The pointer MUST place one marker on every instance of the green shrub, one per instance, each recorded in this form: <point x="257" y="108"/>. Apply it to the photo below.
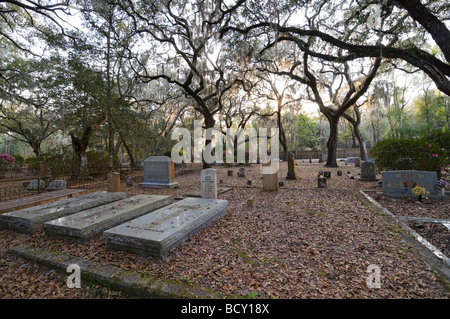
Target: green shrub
<point x="98" y="161"/>
<point x="425" y="154"/>
<point x="51" y="163"/>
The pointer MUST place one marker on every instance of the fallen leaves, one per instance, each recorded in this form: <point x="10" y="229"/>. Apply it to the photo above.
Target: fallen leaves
<point x="300" y="242"/>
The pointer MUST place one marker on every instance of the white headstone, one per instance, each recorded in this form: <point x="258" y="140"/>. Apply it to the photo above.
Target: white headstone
<point x="209" y="183"/>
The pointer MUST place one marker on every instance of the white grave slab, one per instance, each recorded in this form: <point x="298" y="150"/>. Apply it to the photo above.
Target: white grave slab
<point x="83" y="226"/>
<point x="156" y="233"/>
<point x="30" y="219"/>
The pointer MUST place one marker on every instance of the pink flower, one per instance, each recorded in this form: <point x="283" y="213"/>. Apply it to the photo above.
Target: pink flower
<point x="429" y="145"/>
<point x="443" y="149"/>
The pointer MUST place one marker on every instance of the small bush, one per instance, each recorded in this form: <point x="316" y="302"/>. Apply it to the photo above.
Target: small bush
<point x="425" y="154"/>
<point x="98" y="161"/>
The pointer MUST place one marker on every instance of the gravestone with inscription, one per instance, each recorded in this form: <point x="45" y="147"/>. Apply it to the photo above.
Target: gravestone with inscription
<point x="209" y="183"/>
<point x="400" y="183"/>
<point x="156" y="233"/>
<point x="368" y="171"/>
<point x="84" y="225"/>
<point x="159" y="172"/>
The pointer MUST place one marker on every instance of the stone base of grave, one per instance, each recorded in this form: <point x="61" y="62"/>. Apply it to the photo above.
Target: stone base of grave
<point x="368" y="179"/>
<point x="159" y="185"/>
<point x="29" y="220"/>
<point x="155" y="234"/>
<point x="399" y="195"/>
<point x="83" y="226"/>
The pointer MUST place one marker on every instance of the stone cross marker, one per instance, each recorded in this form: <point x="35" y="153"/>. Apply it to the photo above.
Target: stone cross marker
<point x="291" y="167"/>
<point x="209" y="183"/>
<point x="159" y="172"/>
<point x="368" y="171"/>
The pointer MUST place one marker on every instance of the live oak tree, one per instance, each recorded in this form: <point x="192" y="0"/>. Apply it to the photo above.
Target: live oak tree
<point x="187" y="53"/>
<point x="29" y="100"/>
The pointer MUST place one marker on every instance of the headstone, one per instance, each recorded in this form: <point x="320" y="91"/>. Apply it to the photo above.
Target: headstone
<point x="401" y="182"/>
<point x="209" y="183"/>
<point x="327" y="174"/>
<point x="30" y="219"/>
<point x="280" y="184"/>
<point x="155" y="234"/>
<point x="83" y="226"/>
<point x="159" y="172"/>
<point x="113" y="182"/>
<point x="33" y="186"/>
<point x="129" y="181"/>
<point x="250" y="202"/>
<point x="351" y="159"/>
<point x="368" y="171"/>
<point x="57" y="184"/>
<point x="339" y="173"/>
<point x="357" y="162"/>
<point x="241" y="172"/>
<point x="84" y="168"/>
<point x="321" y="182"/>
<point x="270" y="175"/>
<point x="230" y="173"/>
<point x="291" y="175"/>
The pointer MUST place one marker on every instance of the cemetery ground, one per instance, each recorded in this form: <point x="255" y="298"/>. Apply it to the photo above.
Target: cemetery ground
<point x="298" y="242"/>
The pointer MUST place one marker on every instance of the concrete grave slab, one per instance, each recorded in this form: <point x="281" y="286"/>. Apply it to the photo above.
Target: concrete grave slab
<point x="43" y="198"/>
<point x="81" y="227"/>
<point x="30" y="219"/>
<point x="155" y="234"/>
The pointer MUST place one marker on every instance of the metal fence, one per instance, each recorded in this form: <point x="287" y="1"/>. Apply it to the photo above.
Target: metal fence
<point x="14" y="186"/>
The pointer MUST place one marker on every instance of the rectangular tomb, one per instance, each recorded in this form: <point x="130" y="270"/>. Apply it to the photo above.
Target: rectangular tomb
<point x="83" y="226"/>
<point x="155" y="234"/>
<point x="31" y="219"/>
<point x="34" y="200"/>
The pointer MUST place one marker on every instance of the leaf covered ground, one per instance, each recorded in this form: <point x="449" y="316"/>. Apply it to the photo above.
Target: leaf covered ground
<point x="299" y="242"/>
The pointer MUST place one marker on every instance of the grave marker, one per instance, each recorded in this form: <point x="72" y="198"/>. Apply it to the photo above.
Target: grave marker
<point x="113" y="182"/>
<point x="321" y="182"/>
<point x="159" y="172"/>
<point x="368" y="171"/>
<point x="291" y="175"/>
<point x="31" y="219"/>
<point x="82" y="226"/>
<point x="401" y="182"/>
<point x="209" y="183"/>
<point x="270" y="176"/>
<point x="155" y="234"/>
<point x="57" y="185"/>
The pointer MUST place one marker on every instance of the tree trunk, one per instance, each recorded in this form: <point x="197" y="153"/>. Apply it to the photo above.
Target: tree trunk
<point x="209" y="123"/>
<point x="362" y="143"/>
<point x="332" y="142"/>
